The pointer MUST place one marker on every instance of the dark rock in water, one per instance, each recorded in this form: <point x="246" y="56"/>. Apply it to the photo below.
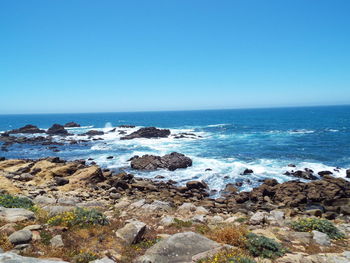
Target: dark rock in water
<point x="72" y="124"/>
<point x="61" y="181"/>
<point x="323" y="173"/>
<point x="308" y="175"/>
<point x="122" y="132"/>
<point x="291" y="165"/>
<point x="248" y="171"/>
<point x="149" y="132"/>
<point x="196" y="185"/>
<point x="94" y="133"/>
<point x="57" y="129"/>
<point x="2" y="159"/>
<point x="27" y="129"/>
<point x="171" y="162"/>
<point x="113" y="130"/>
<point x="229" y="190"/>
<point x="159" y="177"/>
<point x="208" y="169"/>
<point x="239" y="184"/>
<point x="90" y="159"/>
<point x="110" y="157"/>
<point x="348" y="173"/>
<point x="126" y="126"/>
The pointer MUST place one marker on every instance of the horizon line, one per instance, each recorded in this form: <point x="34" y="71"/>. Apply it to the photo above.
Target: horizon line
<point x="205" y="109"/>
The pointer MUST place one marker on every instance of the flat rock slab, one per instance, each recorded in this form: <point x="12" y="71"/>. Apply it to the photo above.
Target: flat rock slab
<point x="15" y="214"/>
<point x="181" y="247"/>
<point x="14" y="258"/>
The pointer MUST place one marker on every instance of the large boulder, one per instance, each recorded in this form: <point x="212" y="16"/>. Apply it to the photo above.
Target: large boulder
<point x="181" y="247"/>
<point x="27" y="129"/>
<point x="15" y="214"/>
<point x="21" y="237"/>
<point x="171" y="162"/>
<point x="132" y="232"/>
<point x="71" y="125"/>
<point x="148" y="132"/>
<point x="57" y="129"/>
<point x="348" y="173"/>
<point x="307" y="174"/>
<point x="9" y="257"/>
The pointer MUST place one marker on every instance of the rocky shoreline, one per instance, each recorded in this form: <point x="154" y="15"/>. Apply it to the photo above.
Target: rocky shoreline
<point x="175" y="214"/>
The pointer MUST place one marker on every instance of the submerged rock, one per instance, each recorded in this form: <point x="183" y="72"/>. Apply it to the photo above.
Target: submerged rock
<point x="94" y="133"/>
<point x="171" y="162"/>
<point x="148" y="132"/>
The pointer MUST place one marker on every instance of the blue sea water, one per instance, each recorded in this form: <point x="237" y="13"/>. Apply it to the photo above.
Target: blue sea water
<point x="265" y="140"/>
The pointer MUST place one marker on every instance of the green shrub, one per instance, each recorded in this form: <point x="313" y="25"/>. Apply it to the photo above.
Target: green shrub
<point x="45" y="236"/>
<point x="79" y="217"/>
<point x="10" y="201"/>
<point x="84" y="257"/>
<point x="322" y="225"/>
<point x="260" y="246"/>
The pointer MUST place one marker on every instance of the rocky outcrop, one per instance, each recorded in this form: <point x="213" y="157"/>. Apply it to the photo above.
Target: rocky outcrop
<point x="27" y="129"/>
<point x="295" y="193"/>
<point x="57" y="129"/>
<point x="126" y="126"/>
<point x="181" y="247"/>
<point x="71" y="125"/>
<point x="148" y="132"/>
<point x="348" y="173"/>
<point x="171" y="162"/>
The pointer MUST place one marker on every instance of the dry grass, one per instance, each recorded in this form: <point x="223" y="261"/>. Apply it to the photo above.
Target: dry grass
<point x="231" y="235"/>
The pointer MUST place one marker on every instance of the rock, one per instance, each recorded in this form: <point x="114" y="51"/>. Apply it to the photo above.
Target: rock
<point x="57" y="241"/>
<point x="148" y="132"/>
<point x="230" y="189"/>
<point x="198" y="219"/>
<point x="44" y="200"/>
<point x="127" y="126"/>
<point x="258" y="218"/>
<point x="348" y="173"/>
<point x="61" y="181"/>
<point x="216" y="220"/>
<point x="157" y="206"/>
<point x="32" y="227"/>
<point x="196" y="185"/>
<point x="167" y="221"/>
<point x="15" y="214"/>
<point x="276" y="217"/>
<point x="8" y="229"/>
<point x="171" y="162"/>
<point x="21" y="237"/>
<point x="103" y="260"/>
<point x="321" y="238"/>
<point x="323" y="173"/>
<point x="71" y="125"/>
<point x="200" y="210"/>
<point x="181" y="247"/>
<point x="57" y="129"/>
<point x="9" y="257"/>
<point x="248" y="171"/>
<point x="94" y="133"/>
<point x="27" y="129"/>
<point x="308" y="175"/>
<point x="186" y="208"/>
<point x="132" y="232"/>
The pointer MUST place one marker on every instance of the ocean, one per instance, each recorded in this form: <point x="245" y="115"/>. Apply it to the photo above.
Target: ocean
<point x="227" y="142"/>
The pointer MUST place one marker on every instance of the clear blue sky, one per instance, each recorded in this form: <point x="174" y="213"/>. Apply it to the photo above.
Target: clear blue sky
<point x="109" y="55"/>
